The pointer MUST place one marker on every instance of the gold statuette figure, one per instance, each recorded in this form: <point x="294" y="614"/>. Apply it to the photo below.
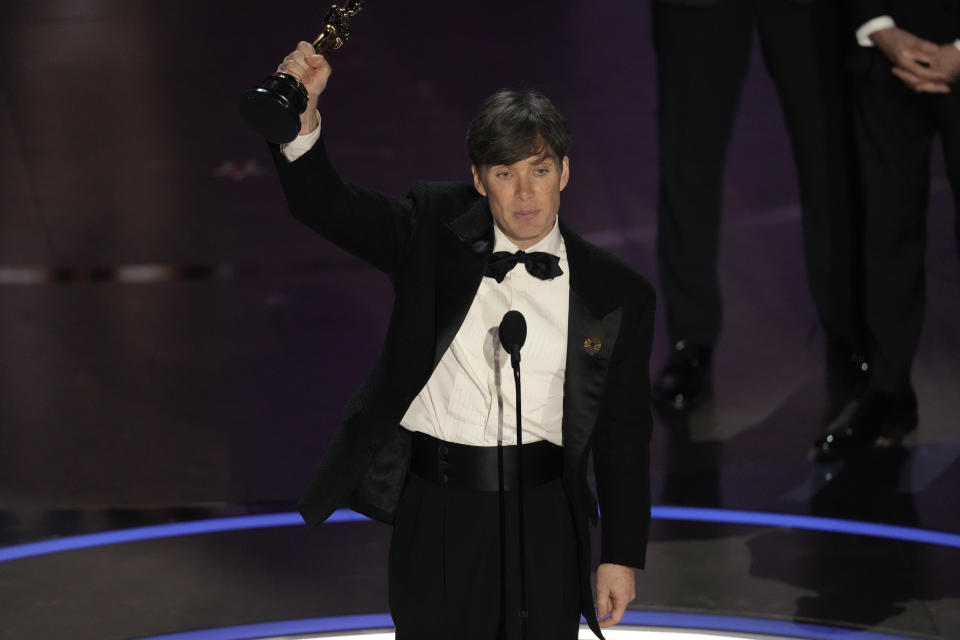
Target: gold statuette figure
<point x="273" y="109"/>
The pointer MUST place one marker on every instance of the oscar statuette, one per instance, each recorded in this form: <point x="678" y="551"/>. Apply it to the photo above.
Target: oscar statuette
<point x="273" y="109"/>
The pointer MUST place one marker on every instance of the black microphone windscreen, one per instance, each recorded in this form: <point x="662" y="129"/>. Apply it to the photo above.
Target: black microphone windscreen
<point x="513" y="331"/>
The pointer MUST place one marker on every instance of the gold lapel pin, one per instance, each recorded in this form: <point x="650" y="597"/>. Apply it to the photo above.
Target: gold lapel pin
<point x="592" y="345"/>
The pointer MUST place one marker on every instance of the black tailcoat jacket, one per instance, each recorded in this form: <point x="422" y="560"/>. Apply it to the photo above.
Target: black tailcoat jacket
<point x="433" y="245"/>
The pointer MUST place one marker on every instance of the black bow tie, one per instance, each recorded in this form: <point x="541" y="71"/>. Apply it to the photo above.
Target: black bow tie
<point x="541" y="265"/>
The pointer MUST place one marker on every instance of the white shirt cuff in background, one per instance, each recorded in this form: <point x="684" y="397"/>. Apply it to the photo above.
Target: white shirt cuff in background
<point x="301" y="144"/>
<point x="871" y="27"/>
<point x="956" y="43"/>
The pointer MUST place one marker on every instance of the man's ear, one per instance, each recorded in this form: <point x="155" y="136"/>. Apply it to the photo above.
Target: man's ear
<point x="564" y="172"/>
<point x="477" y="182"/>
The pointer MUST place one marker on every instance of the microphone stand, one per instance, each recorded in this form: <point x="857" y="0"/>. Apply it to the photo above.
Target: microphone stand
<point x="513" y="333"/>
<point x="515" y="361"/>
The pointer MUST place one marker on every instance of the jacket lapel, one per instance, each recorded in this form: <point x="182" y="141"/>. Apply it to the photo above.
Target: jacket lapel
<point x="463" y="247"/>
<point x="592" y="327"/>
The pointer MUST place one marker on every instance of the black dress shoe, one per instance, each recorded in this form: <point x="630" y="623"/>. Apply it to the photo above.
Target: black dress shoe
<point x="881" y="419"/>
<point x="685" y="379"/>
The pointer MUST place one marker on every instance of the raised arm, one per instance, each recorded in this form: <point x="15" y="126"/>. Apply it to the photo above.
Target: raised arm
<point x="367" y="224"/>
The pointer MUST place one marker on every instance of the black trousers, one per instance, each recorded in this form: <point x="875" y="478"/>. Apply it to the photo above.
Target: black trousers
<point x="452" y="577"/>
<point x="895" y="131"/>
<point x="702" y="59"/>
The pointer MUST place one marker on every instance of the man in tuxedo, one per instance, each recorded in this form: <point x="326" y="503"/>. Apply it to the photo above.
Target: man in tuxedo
<point x="906" y="79"/>
<point x="428" y="443"/>
<point x="702" y="53"/>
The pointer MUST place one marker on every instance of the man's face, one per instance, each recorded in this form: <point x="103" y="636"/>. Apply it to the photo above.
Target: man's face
<point x="524" y="196"/>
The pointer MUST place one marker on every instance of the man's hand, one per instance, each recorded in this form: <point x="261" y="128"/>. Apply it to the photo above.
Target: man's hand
<point x="312" y="71"/>
<point x="615" y="590"/>
<point x="912" y="59"/>
<point x="947" y="61"/>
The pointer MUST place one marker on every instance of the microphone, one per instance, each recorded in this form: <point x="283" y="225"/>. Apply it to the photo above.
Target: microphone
<point x="513" y="333"/>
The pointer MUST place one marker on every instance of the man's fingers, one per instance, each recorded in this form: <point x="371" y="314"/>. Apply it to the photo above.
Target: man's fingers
<point x="619" y="608"/>
<point x="316" y="61"/>
<point x="306" y="49"/>
<point x="292" y="68"/>
<point x="927" y="47"/>
<point x="933" y="87"/>
<point x="919" y="65"/>
<point x="616" y="608"/>
<point x="606" y="620"/>
<point x="919" y="84"/>
<point x="603" y="604"/>
<point x="917" y="57"/>
<point x="947" y="61"/>
<point x="309" y="68"/>
<point x="603" y="600"/>
<point x="905" y="75"/>
<point x="293" y="64"/>
<point x="908" y="78"/>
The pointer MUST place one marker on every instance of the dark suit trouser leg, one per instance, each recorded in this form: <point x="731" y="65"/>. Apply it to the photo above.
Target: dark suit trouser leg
<point x="947" y="113"/>
<point x="801" y="45"/>
<point x="446" y="572"/>
<point x="895" y="128"/>
<point x="702" y="57"/>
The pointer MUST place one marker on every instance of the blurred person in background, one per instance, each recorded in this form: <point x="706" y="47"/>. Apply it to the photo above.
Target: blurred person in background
<point x="703" y="53"/>
<point x="905" y="72"/>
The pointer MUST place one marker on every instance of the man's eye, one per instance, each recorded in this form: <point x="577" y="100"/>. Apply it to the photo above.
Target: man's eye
<point x="542" y="172"/>
<point x="503" y="174"/>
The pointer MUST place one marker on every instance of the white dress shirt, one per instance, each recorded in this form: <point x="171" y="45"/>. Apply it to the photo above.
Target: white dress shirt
<point x="301" y="144"/>
<point x="471" y="396"/>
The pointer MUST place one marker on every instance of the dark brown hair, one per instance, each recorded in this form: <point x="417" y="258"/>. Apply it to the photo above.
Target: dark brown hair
<point x="513" y="125"/>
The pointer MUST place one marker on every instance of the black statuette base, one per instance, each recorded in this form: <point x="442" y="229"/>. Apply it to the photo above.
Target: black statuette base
<point x="273" y="109"/>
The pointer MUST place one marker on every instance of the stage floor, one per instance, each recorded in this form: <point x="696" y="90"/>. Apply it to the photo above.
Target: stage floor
<point x="174" y="348"/>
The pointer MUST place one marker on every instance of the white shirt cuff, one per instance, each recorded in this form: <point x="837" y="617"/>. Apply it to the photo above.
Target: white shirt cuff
<point x="956" y="43"/>
<point x="301" y="144"/>
<point x="872" y="26"/>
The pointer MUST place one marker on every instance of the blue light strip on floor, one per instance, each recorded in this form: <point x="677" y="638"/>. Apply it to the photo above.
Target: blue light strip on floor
<point x="286" y="628"/>
<point x="753" y="518"/>
<point x="812" y="523"/>
<point x="690" y="621"/>
<point x="192" y="528"/>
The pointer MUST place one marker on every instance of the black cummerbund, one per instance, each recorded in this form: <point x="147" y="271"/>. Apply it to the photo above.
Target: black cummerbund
<point x="478" y="468"/>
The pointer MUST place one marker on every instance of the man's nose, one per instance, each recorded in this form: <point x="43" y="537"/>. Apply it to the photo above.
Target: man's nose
<point x="524" y="188"/>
